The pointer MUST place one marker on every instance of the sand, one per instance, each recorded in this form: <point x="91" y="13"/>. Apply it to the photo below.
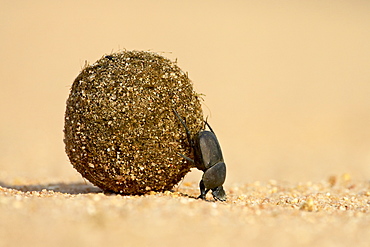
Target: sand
<point x="329" y="213"/>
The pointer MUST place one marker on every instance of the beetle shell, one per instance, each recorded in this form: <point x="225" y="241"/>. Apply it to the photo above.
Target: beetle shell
<point x="208" y="150"/>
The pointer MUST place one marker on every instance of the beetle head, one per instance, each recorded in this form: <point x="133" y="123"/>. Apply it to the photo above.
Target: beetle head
<point x="219" y="194"/>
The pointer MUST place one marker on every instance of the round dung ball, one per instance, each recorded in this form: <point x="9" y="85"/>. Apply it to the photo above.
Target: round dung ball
<point x="120" y="129"/>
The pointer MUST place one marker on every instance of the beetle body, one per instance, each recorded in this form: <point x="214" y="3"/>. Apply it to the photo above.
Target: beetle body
<point x="208" y="158"/>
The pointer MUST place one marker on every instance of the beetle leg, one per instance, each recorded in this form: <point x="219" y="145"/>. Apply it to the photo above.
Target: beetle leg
<point x="186" y="128"/>
<point x="209" y="126"/>
<point x="203" y="190"/>
<point x="187" y="158"/>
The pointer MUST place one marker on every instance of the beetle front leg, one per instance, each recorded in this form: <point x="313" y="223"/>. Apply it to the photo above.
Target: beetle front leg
<point x="203" y="190"/>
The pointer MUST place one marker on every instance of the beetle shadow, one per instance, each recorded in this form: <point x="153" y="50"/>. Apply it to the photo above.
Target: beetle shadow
<point x="66" y="188"/>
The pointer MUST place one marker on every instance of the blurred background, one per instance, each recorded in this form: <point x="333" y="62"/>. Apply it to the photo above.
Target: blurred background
<point x="287" y="83"/>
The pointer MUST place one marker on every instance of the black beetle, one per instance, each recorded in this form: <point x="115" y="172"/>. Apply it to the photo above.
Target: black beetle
<point x="208" y="158"/>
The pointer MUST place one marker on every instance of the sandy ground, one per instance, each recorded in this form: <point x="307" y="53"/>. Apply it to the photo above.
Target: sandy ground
<point x="330" y="213"/>
<point x="286" y="88"/>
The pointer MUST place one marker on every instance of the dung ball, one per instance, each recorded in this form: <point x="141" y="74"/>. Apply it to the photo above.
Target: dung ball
<point x="120" y="129"/>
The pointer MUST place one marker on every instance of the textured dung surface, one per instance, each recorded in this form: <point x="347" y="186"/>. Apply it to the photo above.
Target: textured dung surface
<point x="120" y="130"/>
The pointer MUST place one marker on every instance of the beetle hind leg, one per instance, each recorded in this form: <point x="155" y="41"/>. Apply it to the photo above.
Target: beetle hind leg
<point x="187" y="158"/>
<point x="209" y="126"/>
<point x="188" y="134"/>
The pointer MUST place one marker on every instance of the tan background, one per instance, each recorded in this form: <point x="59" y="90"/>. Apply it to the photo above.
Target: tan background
<point x="287" y="87"/>
<point x="287" y="83"/>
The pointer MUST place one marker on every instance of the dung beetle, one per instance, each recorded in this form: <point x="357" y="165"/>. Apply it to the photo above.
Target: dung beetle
<point x="208" y="158"/>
